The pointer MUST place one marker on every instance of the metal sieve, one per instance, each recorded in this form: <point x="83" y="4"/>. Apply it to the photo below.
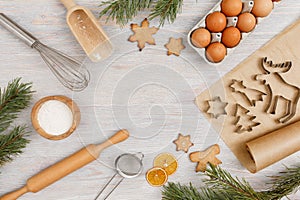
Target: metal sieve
<point x="127" y="166"/>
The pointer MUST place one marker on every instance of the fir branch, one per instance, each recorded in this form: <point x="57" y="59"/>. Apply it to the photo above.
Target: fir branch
<point x="285" y="183"/>
<point x="124" y="10"/>
<point x="15" y="97"/>
<point x="174" y="191"/>
<point x="222" y="181"/>
<point x="221" y="185"/>
<point x="12" y="144"/>
<point x="166" y="10"/>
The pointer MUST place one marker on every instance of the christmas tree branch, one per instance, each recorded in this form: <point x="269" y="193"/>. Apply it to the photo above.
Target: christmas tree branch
<point x="221" y="185"/>
<point x="11" y="144"/>
<point x="222" y="181"/>
<point x="166" y="10"/>
<point x="285" y="183"/>
<point x="15" y="97"/>
<point x="124" y="10"/>
<point x="177" y="191"/>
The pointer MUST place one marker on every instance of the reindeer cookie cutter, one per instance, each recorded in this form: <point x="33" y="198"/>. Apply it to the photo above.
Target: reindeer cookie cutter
<point x="279" y="88"/>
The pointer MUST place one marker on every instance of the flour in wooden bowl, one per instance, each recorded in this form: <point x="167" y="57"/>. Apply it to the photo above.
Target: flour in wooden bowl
<point x="55" y="117"/>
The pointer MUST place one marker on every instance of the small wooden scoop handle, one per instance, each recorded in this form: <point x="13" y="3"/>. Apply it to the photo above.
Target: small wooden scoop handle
<point x="66" y="166"/>
<point x="68" y="3"/>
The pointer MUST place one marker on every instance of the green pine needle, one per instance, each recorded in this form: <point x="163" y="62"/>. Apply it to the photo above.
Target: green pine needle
<point x="11" y="144"/>
<point x="123" y="11"/>
<point x="221" y="185"/>
<point x="222" y="181"/>
<point x="15" y="97"/>
<point x="287" y="182"/>
<point x="166" y="10"/>
<point x="174" y="191"/>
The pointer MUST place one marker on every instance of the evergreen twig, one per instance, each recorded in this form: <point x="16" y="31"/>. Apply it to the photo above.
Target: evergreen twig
<point x="287" y="182"/>
<point x="177" y="191"/>
<point x="15" y="97"/>
<point x="11" y="144"/>
<point x="166" y="10"/>
<point x="221" y="185"/>
<point x="124" y="10"/>
<point x="222" y="181"/>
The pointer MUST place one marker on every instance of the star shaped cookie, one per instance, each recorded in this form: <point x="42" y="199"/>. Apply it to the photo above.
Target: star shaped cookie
<point x="143" y="34"/>
<point x="183" y="143"/>
<point x="174" y="46"/>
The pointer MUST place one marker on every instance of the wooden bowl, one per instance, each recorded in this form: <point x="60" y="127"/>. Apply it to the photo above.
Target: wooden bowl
<point x="69" y="102"/>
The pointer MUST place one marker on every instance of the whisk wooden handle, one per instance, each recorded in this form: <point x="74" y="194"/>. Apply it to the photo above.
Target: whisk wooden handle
<point x="65" y="166"/>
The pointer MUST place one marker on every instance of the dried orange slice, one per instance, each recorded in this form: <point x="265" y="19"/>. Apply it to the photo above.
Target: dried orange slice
<point x="156" y="176"/>
<point x="166" y="161"/>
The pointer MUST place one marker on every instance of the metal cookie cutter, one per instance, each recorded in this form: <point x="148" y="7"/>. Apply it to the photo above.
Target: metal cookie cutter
<point x="127" y="165"/>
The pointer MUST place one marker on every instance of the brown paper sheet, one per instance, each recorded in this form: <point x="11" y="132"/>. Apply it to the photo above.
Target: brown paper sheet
<point x="254" y="151"/>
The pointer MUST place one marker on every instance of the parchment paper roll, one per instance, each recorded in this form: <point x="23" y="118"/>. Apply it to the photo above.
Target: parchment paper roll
<point x="274" y="146"/>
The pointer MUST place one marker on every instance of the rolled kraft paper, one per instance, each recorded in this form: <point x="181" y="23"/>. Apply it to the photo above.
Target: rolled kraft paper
<point x="274" y="146"/>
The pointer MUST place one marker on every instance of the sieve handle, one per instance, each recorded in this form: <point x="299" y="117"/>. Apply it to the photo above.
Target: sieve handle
<point x="17" y="30"/>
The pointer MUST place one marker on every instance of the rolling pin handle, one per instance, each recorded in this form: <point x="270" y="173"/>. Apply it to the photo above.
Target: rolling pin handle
<point x="120" y="136"/>
<point x="15" y="194"/>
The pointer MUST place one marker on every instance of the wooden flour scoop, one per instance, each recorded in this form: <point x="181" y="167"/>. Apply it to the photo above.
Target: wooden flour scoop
<point x="87" y="31"/>
<point x="66" y="166"/>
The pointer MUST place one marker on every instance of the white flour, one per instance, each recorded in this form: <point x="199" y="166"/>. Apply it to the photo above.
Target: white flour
<point x="55" y="117"/>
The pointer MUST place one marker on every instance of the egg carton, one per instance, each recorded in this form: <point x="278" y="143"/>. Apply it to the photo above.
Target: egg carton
<point x="216" y="37"/>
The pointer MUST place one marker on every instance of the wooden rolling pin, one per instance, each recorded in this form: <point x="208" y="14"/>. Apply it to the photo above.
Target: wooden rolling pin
<point x="66" y="166"/>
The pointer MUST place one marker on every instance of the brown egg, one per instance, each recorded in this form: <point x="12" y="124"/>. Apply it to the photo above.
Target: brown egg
<point x="262" y="8"/>
<point x="215" y="52"/>
<point x="231" y="37"/>
<point x="246" y="22"/>
<point x="231" y="7"/>
<point x="216" y="22"/>
<point x="201" y="38"/>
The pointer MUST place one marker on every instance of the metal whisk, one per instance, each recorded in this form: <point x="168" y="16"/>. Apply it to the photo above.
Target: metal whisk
<point x="70" y="72"/>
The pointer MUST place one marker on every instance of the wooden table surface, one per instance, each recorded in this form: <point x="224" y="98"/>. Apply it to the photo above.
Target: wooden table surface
<point x="148" y="93"/>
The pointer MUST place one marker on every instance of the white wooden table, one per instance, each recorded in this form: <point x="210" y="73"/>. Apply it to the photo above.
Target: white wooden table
<point x="146" y="92"/>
